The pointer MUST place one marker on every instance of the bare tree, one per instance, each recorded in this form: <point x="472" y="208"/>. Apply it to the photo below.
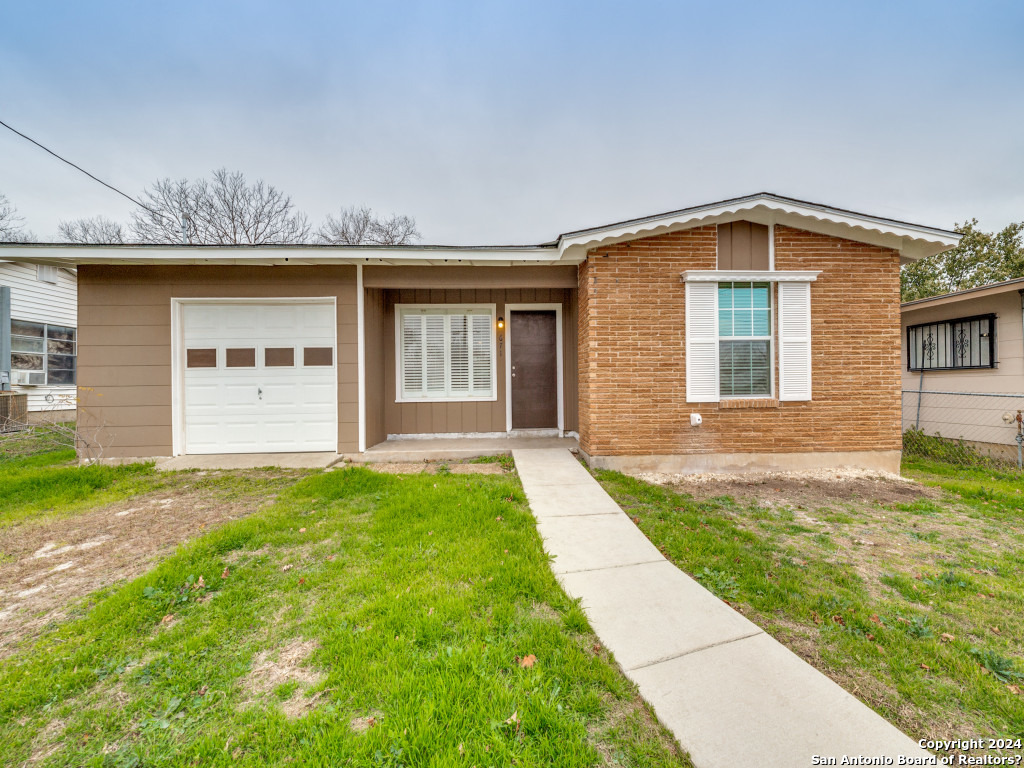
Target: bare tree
<point x="359" y="226"/>
<point x="11" y="229"/>
<point x="226" y="210"/>
<point x="98" y="230"/>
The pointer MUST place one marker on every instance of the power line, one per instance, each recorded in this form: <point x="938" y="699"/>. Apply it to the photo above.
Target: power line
<point x="79" y="168"/>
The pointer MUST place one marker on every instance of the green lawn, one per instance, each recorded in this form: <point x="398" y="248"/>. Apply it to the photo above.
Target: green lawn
<point x="361" y="619"/>
<point x="916" y="607"/>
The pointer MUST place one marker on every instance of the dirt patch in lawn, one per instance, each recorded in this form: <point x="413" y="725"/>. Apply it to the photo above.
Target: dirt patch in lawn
<point x="433" y="467"/>
<point x="285" y="668"/>
<point x="49" y="566"/>
<point x="800" y="489"/>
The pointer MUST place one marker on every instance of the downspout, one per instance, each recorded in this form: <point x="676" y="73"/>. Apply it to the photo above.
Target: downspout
<point x="5" y="338"/>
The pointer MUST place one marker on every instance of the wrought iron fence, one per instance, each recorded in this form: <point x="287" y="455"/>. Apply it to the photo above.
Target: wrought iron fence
<point x="970" y="429"/>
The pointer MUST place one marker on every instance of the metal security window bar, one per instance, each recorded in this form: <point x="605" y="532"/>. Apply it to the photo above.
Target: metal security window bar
<point x="43" y="354"/>
<point x="946" y="345"/>
<point x="745" y="338"/>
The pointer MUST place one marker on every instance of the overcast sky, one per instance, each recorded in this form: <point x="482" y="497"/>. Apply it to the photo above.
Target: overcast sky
<point x="511" y="122"/>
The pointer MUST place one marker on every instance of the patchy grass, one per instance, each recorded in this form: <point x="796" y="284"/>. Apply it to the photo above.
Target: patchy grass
<point x="909" y="597"/>
<point x="362" y="619"/>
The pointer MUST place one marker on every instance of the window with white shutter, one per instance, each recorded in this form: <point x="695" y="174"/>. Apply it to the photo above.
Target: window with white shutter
<point x="445" y="352"/>
<point x="794" y="341"/>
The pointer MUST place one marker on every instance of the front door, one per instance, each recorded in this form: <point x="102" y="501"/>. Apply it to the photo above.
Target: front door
<point x="532" y="342"/>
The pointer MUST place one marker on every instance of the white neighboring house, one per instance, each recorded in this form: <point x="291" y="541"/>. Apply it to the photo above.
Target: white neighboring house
<point x="44" y="334"/>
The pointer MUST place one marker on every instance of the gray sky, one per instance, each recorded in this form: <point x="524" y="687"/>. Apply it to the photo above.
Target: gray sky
<point x="511" y="122"/>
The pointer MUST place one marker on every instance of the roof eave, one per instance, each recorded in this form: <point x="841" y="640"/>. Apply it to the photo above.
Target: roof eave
<point x="912" y="241"/>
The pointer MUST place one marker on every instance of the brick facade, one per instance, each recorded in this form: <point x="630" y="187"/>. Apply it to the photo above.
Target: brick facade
<point x="632" y="341"/>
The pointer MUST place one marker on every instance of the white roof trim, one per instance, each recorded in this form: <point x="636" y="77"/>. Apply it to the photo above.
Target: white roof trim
<point x="298" y="255"/>
<point x="749" y="276"/>
<point x="911" y="240"/>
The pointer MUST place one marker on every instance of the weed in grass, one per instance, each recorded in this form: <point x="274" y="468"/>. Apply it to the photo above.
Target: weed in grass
<point x="1001" y="668"/>
<point x="720" y="583"/>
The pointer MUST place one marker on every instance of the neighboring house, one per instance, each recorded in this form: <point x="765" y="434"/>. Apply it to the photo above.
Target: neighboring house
<point x="44" y="320"/>
<point x="759" y="332"/>
<point x="963" y="365"/>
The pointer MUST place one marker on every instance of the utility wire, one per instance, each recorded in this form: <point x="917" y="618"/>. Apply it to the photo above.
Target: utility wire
<point x="79" y="168"/>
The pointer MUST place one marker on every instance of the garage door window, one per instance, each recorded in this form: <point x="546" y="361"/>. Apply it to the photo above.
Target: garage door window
<point x="279" y="357"/>
<point x="201" y="358"/>
<point x="317" y="356"/>
<point x="240" y="358"/>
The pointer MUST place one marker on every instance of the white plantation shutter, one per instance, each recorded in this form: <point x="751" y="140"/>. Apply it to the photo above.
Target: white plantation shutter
<point x="412" y="353"/>
<point x="434" y="360"/>
<point x="483" y="361"/>
<point x="794" y="341"/>
<point x="446" y="353"/>
<point x="701" y="342"/>
<point x="459" y="339"/>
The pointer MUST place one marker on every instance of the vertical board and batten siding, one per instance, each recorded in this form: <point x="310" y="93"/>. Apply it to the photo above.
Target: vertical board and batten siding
<point x="743" y="245"/>
<point x="632" y="347"/>
<point x="41" y="302"/>
<point x="455" y="417"/>
<point x="124" y="354"/>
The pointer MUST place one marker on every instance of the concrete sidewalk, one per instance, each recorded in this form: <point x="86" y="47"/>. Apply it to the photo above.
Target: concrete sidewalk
<point x="731" y="694"/>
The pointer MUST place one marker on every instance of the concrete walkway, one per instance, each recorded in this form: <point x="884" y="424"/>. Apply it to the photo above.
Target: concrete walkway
<point x="732" y="695"/>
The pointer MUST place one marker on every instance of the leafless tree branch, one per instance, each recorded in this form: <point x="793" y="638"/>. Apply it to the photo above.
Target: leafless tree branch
<point x="359" y="226"/>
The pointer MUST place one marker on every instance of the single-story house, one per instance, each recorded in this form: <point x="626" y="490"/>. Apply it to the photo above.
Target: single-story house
<point x="963" y="365"/>
<point x="758" y="332"/>
<point x="43" y="333"/>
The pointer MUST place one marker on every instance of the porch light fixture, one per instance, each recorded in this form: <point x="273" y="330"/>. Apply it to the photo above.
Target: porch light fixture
<point x="501" y="323"/>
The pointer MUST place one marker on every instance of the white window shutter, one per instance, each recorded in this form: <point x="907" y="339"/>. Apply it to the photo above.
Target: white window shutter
<point x="434" y="359"/>
<point x="481" y="353"/>
<point x="412" y="355"/>
<point x="794" y="341"/>
<point x="701" y="342"/>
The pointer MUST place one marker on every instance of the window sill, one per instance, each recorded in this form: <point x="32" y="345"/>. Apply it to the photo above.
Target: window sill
<point x="490" y="399"/>
<point x="751" y="402"/>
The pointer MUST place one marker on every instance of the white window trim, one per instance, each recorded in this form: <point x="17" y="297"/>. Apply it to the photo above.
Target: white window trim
<point x="771" y="352"/>
<point x="45" y="370"/>
<point x="748" y="276"/>
<point x="178" y="351"/>
<point x="401" y="308"/>
<point x="526" y="307"/>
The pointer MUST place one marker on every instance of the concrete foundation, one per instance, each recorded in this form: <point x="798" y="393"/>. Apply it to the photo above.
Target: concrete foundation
<point x="700" y="463"/>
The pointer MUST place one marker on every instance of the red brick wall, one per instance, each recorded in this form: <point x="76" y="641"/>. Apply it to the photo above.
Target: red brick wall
<point x="632" y="351"/>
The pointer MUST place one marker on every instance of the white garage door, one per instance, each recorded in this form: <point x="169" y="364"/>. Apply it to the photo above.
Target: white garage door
<point x="259" y="378"/>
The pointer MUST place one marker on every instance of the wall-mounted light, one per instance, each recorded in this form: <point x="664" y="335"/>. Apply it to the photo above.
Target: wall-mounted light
<point x="501" y="323"/>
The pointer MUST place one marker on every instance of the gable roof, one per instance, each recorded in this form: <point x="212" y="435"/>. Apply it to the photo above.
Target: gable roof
<point x="913" y="241"/>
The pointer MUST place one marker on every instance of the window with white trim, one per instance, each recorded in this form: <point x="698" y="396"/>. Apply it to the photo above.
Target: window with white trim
<point x="43" y="354"/>
<point x="445" y="352"/>
<point x="744" y="339"/>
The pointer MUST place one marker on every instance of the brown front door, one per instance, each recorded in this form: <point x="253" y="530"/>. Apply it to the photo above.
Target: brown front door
<point x="534" y="370"/>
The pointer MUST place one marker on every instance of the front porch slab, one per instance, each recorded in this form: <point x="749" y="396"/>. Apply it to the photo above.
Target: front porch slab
<point x="453" y="448"/>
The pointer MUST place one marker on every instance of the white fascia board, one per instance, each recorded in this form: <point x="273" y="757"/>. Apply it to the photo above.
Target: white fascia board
<point x="912" y="241"/>
<point x="71" y="256"/>
<point x="749" y="276"/>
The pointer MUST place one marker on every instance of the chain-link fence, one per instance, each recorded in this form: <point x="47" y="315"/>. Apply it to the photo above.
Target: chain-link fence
<point x="970" y="429"/>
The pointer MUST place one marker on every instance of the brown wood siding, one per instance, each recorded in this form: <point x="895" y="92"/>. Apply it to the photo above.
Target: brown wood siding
<point x="457" y="277"/>
<point x="464" y="417"/>
<point x="743" y="245"/>
<point x="376" y="349"/>
<point x="124" y="343"/>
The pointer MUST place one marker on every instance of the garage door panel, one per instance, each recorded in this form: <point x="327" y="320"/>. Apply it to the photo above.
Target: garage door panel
<point x="223" y="410"/>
